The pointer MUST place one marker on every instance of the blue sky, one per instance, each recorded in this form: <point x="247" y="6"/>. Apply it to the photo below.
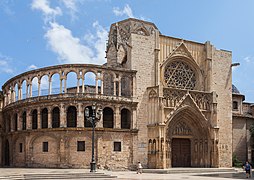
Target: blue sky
<point x="39" y="33"/>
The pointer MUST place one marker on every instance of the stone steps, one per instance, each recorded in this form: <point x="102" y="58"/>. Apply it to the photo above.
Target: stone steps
<point x="188" y="170"/>
<point x="55" y="176"/>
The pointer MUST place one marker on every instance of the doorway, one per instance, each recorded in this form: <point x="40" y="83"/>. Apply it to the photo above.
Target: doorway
<point x="181" y="152"/>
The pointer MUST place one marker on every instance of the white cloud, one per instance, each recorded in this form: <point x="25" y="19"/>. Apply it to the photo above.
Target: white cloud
<point x="5" y="66"/>
<point x="248" y="59"/>
<point x="48" y="12"/>
<point x="32" y="67"/>
<point x="60" y="39"/>
<point x="68" y="48"/>
<point x="127" y="11"/>
<point x="6" y="6"/>
<point x="72" y="6"/>
<point x="100" y="43"/>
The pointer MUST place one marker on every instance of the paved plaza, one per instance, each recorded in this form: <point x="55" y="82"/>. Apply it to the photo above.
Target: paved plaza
<point x="36" y="174"/>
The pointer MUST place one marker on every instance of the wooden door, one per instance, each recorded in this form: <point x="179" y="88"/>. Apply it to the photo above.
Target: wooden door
<point x="181" y="152"/>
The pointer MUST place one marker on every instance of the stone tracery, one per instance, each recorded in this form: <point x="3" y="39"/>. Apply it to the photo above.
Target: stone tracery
<point x="178" y="74"/>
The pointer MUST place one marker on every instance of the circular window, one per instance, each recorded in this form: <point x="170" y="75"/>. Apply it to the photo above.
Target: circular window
<point x="178" y="74"/>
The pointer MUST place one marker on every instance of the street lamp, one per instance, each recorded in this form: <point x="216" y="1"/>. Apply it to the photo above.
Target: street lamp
<point x="96" y="116"/>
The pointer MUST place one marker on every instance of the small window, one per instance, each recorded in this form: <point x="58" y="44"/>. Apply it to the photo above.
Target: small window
<point x="20" y="147"/>
<point x="45" y="147"/>
<point x="117" y="146"/>
<point x="235" y="105"/>
<point x="81" y="146"/>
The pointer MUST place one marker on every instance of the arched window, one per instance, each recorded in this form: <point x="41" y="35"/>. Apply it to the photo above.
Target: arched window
<point x="16" y="122"/>
<point x="44" y="118"/>
<point x="72" y="117"/>
<point x="56" y="118"/>
<point x="235" y="105"/>
<point x="87" y="122"/>
<point x="34" y="119"/>
<point x="178" y="74"/>
<point x="108" y="117"/>
<point x="24" y="120"/>
<point x="125" y="119"/>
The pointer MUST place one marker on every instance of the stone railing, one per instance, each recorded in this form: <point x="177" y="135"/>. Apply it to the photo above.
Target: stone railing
<point x="55" y="80"/>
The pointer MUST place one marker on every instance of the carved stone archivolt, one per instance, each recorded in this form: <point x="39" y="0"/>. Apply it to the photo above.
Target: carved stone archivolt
<point x="182" y="129"/>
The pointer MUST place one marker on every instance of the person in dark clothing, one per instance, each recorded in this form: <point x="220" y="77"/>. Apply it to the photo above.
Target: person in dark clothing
<point x="247" y="168"/>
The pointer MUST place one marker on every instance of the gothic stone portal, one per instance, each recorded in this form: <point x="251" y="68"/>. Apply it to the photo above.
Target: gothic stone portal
<point x="188" y="141"/>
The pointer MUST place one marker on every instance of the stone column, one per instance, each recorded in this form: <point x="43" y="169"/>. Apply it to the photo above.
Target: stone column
<point x="30" y="90"/>
<point x="28" y="120"/>
<point x="134" y="119"/>
<point x="50" y="86"/>
<point x="120" y="87"/>
<point x="65" y="85"/>
<point x="39" y="118"/>
<point x="80" y="116"/>
<point x="117" y="118"/>
<point x="96" y="85"/>
<point x="114" y="87"/>
<point x="78" y="85"/>
<point x="83" y="84"/>
<point x="27" y="95"/>
<point x="39" y="87"/>
<point x="61" y="86"/>
<point x="19" y="93"/>
<point x="62" y="116"/>
<point x="49" y="118"/>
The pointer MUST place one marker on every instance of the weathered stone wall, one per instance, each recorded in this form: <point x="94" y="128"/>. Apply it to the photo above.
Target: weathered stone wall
<point x="62" y="149"/>
<point x="142" y="60"/>
<point x="240" y="131"/>
<point x="222" y="84"/>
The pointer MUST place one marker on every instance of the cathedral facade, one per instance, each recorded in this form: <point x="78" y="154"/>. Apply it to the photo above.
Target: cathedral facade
<point x="167" y="102"/>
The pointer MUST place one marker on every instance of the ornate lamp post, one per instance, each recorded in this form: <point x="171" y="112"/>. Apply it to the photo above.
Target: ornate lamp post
<point x="96" y="116"/>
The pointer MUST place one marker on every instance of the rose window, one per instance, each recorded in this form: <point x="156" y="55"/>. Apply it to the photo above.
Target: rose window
<point x="179" y="75"/>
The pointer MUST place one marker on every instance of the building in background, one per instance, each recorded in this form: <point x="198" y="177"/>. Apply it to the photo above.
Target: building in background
<point x="167" y="102"/>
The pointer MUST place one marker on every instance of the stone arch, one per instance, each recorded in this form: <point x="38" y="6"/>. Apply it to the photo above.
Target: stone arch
<point x="34" y="86"/>
<point x="44" y="84"/>
<point x="55" y="81"/>
<point x="55" y="117"/>
<point x="193" y="70"/>
<point x="46" y="159"/>
<point x="87" y="123"/>
<point x="125" y="118"/>
<point x="71" y="81"/>
<point x="34" y="119"/>
<point x="24" y="124"/>
<point x="108" y="117"/>
<point x="186" y="126"/>
<point x="44" y="118"/>
<point x="90" y="81"/>
<point x="71" y="116"/>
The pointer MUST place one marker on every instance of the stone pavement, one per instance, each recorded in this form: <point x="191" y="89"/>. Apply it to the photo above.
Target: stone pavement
<point x="78" y="174"/>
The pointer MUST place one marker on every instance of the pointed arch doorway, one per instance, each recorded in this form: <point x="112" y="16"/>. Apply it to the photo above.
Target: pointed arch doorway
<point x="188" y="140"/>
